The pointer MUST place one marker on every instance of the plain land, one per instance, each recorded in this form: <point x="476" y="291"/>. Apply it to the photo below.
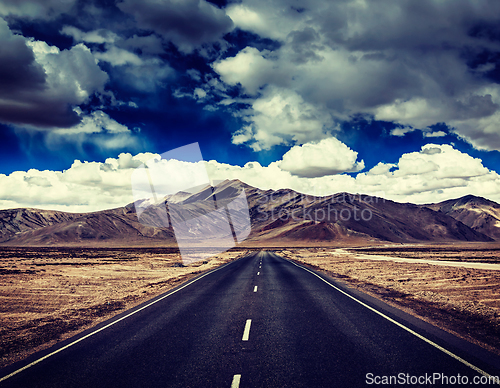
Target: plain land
<point x="50" y="294"/>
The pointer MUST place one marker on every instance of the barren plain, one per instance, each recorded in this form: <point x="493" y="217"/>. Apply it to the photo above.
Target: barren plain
<point x="463" y="301"/>
<point x="50" y="294"/>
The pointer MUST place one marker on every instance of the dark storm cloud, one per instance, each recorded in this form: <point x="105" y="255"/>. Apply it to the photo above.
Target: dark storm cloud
<point x="188" y="24"/>
<point x="424" y="43"/>
<point x="421" y="44"/>
<point x="150" y="44"/>
<point x="35" y="9"/>
<point x="19" y="73"/>
<point x="305" y="44"/>
<point x="23" y="86"/>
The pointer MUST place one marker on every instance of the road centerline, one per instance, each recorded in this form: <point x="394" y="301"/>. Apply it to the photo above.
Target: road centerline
<point x="246" y="332"/>
<point x="255" y="289"/>
<point x="236" y="381"/>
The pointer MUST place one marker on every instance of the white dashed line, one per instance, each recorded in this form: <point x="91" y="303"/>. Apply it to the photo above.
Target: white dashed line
<point x="255" y="289"/>
<point x="236" y="381"/>
<point x="246" y="332"/>
<point x="258" y="273"/>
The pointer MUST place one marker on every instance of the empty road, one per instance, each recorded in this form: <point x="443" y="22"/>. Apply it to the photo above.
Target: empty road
<point x="260" y="321"/>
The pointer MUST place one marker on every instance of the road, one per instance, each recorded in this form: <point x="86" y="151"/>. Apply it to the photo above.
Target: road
<point x="260" y="321"/>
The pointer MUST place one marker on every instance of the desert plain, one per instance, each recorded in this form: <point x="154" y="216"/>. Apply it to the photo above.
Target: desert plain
<point x="50" y="294"/>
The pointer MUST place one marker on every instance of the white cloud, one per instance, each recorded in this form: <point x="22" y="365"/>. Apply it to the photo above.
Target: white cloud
<point x="281" y="116"/>
<point x="268" y="20"/>
<point x="388" y="59"/>
<point x="435" y="173"/>
<point x="144" y="74"/>
<point x="199" y="93"/>
<point x="248" y="20"/>
<point x="96" y="36"/>
<point x="72" y="73"/>
<point x="401" y="131"/>
<point x="119" y="57"/>
<point x="95" y="122"/>
<point x="249" y="67"/>
<point x="327" y="157"/>
<point x="96" y="128"/>
<point x="85" y="186"/>
<point x="435" y="134"/>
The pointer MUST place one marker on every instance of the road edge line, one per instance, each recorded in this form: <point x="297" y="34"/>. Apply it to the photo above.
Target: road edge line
<point x="439" y="347"/>
<point x="114" y="322"/>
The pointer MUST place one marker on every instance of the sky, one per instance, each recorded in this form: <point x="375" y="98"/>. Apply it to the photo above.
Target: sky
<point x="394" y="98"/>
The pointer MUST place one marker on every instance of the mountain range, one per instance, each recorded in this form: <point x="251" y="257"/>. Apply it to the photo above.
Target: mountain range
<point x="282" y="217"/>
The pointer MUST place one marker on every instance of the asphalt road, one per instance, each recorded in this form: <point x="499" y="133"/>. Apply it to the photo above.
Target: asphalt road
<point x="260" y="321"/>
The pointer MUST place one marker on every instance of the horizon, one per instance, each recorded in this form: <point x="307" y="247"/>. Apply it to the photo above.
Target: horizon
<point x="377" y="99"/>
<point x="362" y="197"/>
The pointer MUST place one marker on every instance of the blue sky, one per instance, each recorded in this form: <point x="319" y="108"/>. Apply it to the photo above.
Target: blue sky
<point x="389" y="97"/>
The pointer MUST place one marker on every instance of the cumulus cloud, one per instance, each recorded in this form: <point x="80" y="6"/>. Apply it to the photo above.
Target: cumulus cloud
<point x="401" y="131"/>
<point x="187" y="24"/>
<point x="394" y="61"/>
<point x="327" y="157"/>
<point x="250" y="68"/>
<point x="96" y="36"/>
<point x="268" y="20"/>
<point x="435" y="134"/>
<point x="281" y="116"/>
<point x="118" y="57"/>
<point x="85" y="186"/>
<point x="96" y="128"/>
<point x="135" y="61"/>
<point x="435" y="173"/>
<point x="95" y="122"/>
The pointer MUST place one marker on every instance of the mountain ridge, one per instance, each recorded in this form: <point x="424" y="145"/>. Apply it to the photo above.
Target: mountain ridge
<point x="480" y="214"/>
<point x="284" y="215"/>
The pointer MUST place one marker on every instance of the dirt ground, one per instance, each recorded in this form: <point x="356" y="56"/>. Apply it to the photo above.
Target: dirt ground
<point x="49" y="294"/>
<point x="464" y="301"/>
